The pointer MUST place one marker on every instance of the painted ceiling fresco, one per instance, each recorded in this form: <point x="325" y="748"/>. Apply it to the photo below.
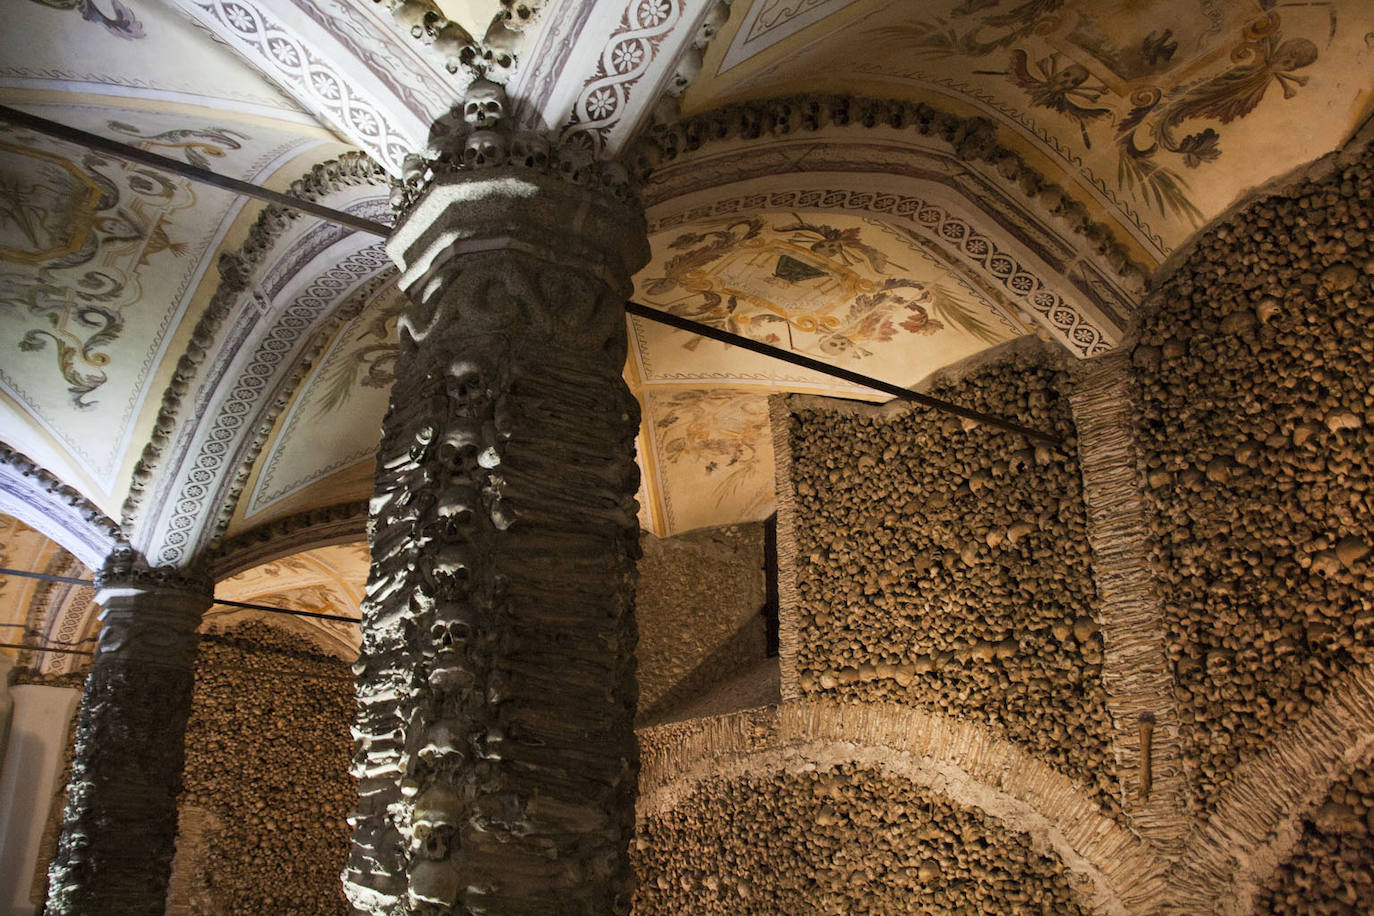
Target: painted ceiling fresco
<point x="131" y="48"/>
<point x="861" y="293"/>
<point x="326" y="580"/>
<point x="33" y="612"/>
<point x="99" y="260"/>
<point x="103" y="261"/>
<point x="1143" y="102"/>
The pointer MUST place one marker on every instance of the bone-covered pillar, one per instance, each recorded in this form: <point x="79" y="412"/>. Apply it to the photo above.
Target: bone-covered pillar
<point x="115" y="852"/>
<point x="496" y="752"/>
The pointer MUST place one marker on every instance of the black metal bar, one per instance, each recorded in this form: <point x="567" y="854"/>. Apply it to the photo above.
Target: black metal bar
<point x="46" y="577"/>
<point x="815" y="365"/>
<point x="15" y="645"/>
<point x="283" y="610"/>
<point x="186" y="170"/>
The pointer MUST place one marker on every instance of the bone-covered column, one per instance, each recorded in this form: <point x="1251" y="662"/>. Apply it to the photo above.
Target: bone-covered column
<point x="496" y="752"/>
<point x="115" y="852"/>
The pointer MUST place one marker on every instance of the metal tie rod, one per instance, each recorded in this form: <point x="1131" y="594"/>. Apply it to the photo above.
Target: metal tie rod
<point x="71" y="580"/>
<point x="186" y="170"/>
<point x="224" y="182"/>
<point x="857" y="378"/>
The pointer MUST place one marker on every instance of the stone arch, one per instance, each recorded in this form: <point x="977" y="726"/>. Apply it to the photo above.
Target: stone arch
<point x="344" y="523"/>
<point x="43" y="502"/>
<point x="929" y="173"/>
<point x="289" y="286"/>
<point x="1259" y="817"/>
<point x="1115" y="872"/>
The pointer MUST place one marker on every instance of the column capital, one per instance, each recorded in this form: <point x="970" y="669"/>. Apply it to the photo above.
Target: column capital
<point x="127" y="570"/>
<point x="149" y="613"/>
<point x="483" y="185"/>
<point x="480" y="135"/>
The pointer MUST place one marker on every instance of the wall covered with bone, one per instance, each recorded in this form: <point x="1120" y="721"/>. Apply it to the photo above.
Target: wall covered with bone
<point x="266" y="788"/>
<point x="1257" y="433"/>
<point x="945" y="564"/>
<point x="1330" y="871"/>
<point x="840" y="840"/>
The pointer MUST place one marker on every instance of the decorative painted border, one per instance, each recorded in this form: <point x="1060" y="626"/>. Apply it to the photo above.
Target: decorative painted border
<point x="424" y="93"/>
<point x="625" y="59"/>
<point x="260" y="36"/>
<point x="193" y="515"/>
<point x="265" y="493"/>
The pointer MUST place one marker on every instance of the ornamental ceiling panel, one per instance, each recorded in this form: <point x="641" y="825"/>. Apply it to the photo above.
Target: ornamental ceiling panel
<point x="139" y="48"/>
<point x="100" y="260"/>
<point x="710" y="455"/>
<point x="324" y="580"/>
<point x="335" y="419"/>
<point x="861" y="293"/>
<point x="1162" y="112"/>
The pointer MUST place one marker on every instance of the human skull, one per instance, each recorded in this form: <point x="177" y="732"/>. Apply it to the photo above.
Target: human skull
<point x="530" y="150"/>
<point x="485" y="104"/>
<point x="451" y="633"/>
<point x="485" y="148"/>
<point x="434" y="820"/>
<point x="442" y="739"/>
<point x="435" y="883"/>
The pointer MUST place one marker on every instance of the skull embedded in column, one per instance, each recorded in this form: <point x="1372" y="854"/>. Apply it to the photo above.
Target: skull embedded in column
<point x="485" y="148"/>
<point x="485" y="104"/>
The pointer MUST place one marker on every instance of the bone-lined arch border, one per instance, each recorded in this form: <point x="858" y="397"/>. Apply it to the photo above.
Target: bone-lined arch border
<point x="201" y="489"/>
<point x="1113" y="871"/>
<point x="816" y="121"/>
<point x="1258" y="819"/>
<point x="352" y="175"/>
<point x="345" y="523"/>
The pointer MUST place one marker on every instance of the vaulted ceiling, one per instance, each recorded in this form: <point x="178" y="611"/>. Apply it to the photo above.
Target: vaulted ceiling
<point x="1038" y="160"/>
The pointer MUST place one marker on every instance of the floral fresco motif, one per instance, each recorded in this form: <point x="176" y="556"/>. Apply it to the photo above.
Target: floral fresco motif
<point x="75" y="231"/>
<point x="121" y="22"/>
<point x="198" y="147"/>
<point x="812" y="287"/>
<point x="371" y="365"/>
<point x="723" y="436"/>
<point x="1067" y="58"/>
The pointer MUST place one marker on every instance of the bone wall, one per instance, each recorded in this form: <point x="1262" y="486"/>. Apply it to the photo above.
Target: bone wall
<point x="695" y="592"/>
<point x="1331" y="870"/>
<point x="844" y="840"/>
<point x="1254" y="375"/>
<point x="945" y="565"/>
<point x="266" y="788"/>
